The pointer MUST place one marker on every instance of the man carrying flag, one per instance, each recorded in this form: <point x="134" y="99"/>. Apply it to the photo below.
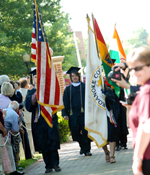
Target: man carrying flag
<point x="44" y="98"/>
<point x="101" y="102"/>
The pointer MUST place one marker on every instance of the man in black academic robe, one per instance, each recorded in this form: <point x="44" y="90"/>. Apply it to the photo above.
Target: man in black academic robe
<point x="46" y="139"/>
<point x="74" y="101"/>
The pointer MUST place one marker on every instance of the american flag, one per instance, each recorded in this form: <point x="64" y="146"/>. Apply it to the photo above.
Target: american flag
<point x="48" y="89"/>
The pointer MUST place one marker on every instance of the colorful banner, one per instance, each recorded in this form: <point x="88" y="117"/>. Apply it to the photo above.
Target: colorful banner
<point x="105" y="57"/>
<point x="95" y="107"/>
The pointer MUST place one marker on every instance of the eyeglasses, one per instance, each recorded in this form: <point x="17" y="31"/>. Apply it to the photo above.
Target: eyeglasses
<point x="138" y="68"/>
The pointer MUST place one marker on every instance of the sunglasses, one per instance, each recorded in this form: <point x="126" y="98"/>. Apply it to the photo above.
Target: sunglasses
<point x="138" y="68"/>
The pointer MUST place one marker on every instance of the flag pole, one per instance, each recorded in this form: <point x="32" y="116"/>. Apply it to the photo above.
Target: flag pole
<point x="78" y="55"/>
<point x="88" y="20"/>
<point x="95" y="37"/>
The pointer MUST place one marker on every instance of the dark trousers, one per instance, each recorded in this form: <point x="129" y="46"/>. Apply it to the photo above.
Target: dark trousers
<point x="146" y="167"/>
<point x="51" y="158"/>
<point x="25" y="143"/>
<point x="79" y="134"/>
<point x="122" y="141"/>
<point x="85" y="147"/>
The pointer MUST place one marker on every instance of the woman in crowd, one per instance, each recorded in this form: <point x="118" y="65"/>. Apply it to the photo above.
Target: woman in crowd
<point x="7" y="91"/>
<point x="139" y="64"/>
<point x="74" y="100"/>
<point x="8" y="161"/>
<point x="3" y="78"/>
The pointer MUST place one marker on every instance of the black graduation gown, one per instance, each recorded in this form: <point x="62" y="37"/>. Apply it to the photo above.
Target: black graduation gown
<point x="72" y="101"/>
<point x="123" y="119"/>
<point x="17" y="97"/>
<point x="112" y="103"/>
<point x="45" y="138"/>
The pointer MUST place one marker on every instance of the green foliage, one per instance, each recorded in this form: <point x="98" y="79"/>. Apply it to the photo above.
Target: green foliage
<point x="26" y="162"/>
<point x="64" y="130"/>
<point x="85" y="42"/>
<point x="83" y="62"/>
<point x="139" y="38"/>
<point x="16" y="23"/>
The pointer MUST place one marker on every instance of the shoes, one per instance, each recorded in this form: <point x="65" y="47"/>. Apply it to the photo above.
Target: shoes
<point x="88" y="154"/>
<point x="107" y="156"/>
<point x="112" y="159"/>
<point x="117" y="148"/>
<point x="124" y="148"/>
<point x="17" y="173"/>
<point x="81" y="152"/>
<point x="48" y="170"/>
<point x="57" y="168"/>
<point x="19" y="168"/>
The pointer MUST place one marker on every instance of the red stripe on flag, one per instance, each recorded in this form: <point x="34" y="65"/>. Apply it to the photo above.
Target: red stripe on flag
<point x="57" y="92"/>
<point x="98" y="32"/>
<point x="33" y="46"/>
<point x="45" y="112"/>
<point x="33" y="35"/>
<point x="53" y="108"/>
<point x="39" y="69"/>
<point x="47" y="77"/>
<point x="33" y="56"/>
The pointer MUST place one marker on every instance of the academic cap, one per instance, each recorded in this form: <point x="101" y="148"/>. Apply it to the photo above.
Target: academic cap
<point x="73" y="70"/>
<point x="33" y="72"/>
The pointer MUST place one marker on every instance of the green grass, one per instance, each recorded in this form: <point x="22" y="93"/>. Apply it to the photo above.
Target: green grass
<point x="25" y="163"/>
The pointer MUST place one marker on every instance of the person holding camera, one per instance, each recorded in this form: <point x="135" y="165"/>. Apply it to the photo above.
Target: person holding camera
<point x="122" y="82"/>
<point x="139" y="65"/>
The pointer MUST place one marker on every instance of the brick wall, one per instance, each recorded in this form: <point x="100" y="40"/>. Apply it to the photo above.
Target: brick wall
<point x="57" y="61"/>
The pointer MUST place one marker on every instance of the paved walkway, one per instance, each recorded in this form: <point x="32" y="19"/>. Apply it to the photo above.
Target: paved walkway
<point x="72" y="163"/>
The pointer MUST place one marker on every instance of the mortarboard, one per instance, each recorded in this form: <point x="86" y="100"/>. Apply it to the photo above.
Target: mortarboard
<point x="73" y="70"/>
<point x="33" y="72"/>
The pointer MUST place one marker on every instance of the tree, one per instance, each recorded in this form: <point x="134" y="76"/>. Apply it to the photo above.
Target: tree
<point x="16" y="22"/>
<point x="139" y="38"/>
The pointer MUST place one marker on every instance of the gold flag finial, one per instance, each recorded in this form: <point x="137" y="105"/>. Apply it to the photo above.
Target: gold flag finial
<point x="88" y="19"/>
<point x="115" y="25"/>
